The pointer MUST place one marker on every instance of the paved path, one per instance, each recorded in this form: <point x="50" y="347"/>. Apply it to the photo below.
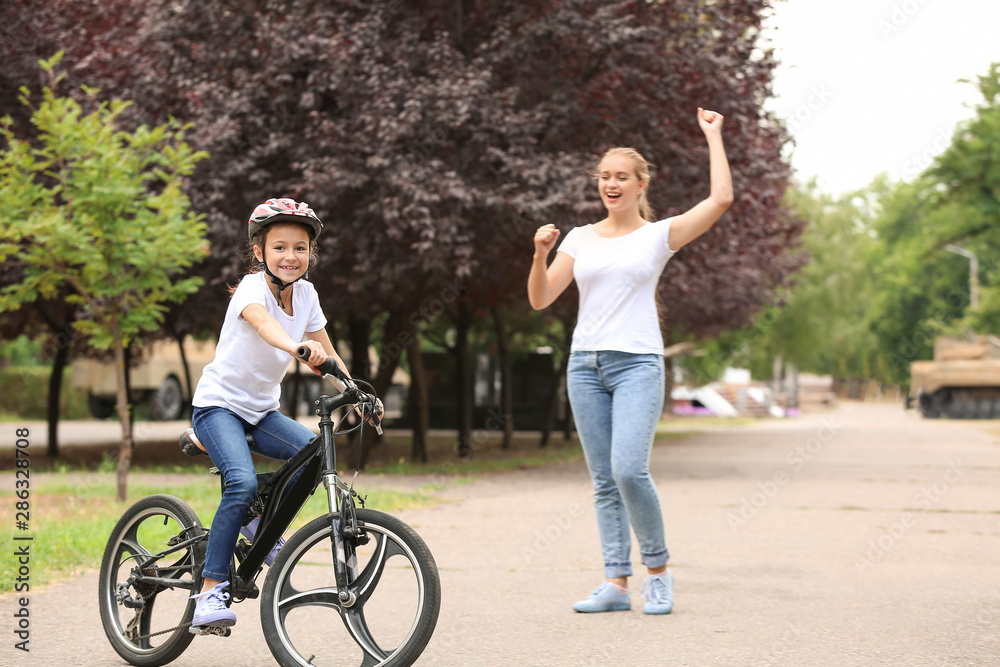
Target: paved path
<point x="863" y="536"/>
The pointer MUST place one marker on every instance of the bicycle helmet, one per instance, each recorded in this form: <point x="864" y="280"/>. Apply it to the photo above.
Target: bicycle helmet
<point x="283" y="210"/>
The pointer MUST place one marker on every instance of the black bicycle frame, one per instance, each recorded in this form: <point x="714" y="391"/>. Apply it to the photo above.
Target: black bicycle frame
<point x="278" y="516"/>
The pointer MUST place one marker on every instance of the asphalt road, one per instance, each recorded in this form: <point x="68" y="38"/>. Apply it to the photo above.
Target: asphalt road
<point x="862" y="536"/>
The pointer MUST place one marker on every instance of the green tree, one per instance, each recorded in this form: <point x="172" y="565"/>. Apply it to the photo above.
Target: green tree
<point x="818" y="323"/>
<point x="920" y="289"/>
<point x="966" y="200"/>
<point x="101" y="211"/>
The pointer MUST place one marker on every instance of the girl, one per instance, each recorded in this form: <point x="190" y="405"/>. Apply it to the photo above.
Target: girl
<point x="615" y="377"/>
<point x="271" y="313"/>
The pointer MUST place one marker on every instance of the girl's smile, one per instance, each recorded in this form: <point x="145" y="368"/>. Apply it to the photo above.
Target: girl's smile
<point x="286" y="251"/>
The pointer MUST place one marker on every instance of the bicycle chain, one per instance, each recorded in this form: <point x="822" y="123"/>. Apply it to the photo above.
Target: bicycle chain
<point x="163" y="632"/>
<point x="169" y="568"/>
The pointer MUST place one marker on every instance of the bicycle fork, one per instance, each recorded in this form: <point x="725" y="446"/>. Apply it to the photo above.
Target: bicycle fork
<point x="345" y="560"/>
<point x="338" y="495"/>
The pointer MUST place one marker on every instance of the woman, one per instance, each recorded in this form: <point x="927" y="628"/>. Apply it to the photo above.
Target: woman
<point x="615" y="377"/>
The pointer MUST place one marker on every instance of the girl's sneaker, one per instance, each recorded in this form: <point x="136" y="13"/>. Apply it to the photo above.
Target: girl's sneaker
<point x="211" y="609"/>
<point x="248" y="531"/>
<point x="606" y="597"/>
<point x="658" y="589"/>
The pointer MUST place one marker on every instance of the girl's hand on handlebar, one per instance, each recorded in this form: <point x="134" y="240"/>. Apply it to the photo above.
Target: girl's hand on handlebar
<point x="317" y="355"/>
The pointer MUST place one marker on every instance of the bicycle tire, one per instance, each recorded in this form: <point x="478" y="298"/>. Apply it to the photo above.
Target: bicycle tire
<point x="393" y="617"/>
<point x="143" y="530"/>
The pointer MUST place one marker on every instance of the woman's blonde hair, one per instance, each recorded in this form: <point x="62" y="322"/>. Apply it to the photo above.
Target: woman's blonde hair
<point x="641" y="168"/>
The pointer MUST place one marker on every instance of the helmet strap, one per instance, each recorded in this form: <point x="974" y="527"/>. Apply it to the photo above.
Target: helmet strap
<point x="282" y="285"/>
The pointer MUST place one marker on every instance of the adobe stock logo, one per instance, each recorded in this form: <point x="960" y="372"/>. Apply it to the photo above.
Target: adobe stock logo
<point x="899" y="16"/>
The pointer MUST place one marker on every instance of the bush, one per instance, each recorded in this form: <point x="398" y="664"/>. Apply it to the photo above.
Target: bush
<point x="24" y="394"/>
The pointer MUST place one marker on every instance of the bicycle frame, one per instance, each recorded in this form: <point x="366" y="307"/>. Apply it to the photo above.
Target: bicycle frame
<point x="315" y="466"/>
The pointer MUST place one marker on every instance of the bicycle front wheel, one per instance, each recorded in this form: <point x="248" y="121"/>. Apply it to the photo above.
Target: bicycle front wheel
<point x="394" y="582"/>
<point x="144" y="601"/>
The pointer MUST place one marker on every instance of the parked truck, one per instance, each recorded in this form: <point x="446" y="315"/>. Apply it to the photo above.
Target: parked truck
<point x="963" y="380"/>
<point x="158" y="379"/>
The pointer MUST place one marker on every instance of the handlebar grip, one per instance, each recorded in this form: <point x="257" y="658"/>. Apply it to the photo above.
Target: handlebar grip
<point x="328" y="367"/>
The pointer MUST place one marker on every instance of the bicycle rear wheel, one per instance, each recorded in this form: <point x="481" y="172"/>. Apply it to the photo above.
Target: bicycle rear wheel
<point x="147" y="621"/>
<point x="394" y="579"/>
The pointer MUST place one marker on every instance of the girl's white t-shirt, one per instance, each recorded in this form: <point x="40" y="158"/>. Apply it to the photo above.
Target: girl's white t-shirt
<point x="617" y="279"/>
<point x="246" y="374"/>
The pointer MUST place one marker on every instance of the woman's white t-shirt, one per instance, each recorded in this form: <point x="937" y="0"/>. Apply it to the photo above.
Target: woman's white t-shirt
<point x="617" y="279"/>
<point x="246" y="374"/>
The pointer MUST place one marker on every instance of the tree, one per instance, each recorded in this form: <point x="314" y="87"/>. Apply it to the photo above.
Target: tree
<point x="966" y="197"/>
<point x="431" y="140"/>
<point x="100" y="211"/>
<point x="52" y="320"/>
<point x="820" y="325"/>
<point x="920" y="290"/>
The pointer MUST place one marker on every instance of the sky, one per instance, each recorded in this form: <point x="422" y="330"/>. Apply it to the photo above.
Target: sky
<point x="872" y="86"/>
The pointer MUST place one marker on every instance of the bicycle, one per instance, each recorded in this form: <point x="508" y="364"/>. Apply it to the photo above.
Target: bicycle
<point x="384" y="584"/>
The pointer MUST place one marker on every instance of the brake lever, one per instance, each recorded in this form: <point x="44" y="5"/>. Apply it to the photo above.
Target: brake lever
<point x="332" y="368"/>
<point x="376" y="419"/>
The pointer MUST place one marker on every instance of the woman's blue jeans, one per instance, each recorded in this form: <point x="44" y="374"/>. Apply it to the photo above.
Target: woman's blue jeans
<point x="223" y="433"/>
<point x="617" y="398"/>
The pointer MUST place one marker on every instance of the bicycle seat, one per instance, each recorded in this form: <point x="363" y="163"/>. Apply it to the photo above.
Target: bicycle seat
<point x="191" y="445"/>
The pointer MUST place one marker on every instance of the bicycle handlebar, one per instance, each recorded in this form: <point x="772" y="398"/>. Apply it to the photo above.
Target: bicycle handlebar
<point x="328" y="367"/>
<point x="332" y="368"/>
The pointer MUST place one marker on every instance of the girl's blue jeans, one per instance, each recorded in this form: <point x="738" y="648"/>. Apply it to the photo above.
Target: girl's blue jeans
<point x="223" y="433"/>
<point x="617" y="398"/>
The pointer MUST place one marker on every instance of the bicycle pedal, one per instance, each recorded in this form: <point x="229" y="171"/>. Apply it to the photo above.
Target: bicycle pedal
<point x="217" y="630"/>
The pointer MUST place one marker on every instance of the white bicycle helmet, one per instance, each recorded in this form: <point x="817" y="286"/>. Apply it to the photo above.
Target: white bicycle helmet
<point x="283" y="210"/>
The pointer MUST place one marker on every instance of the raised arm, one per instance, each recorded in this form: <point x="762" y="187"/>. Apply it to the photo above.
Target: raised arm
<point x="688" y="226"/>
<point x="545" y="283"/>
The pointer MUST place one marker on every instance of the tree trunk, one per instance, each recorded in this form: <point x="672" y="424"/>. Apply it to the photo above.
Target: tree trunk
<point x="506" y="379"/>
<point x="463" y="323"/>
<point x="567" y="345"/>
<point x="668" y="385"/>
<point x="127" y="365"/>
<point x="554" y="394"/>
<point x="395" y="339"/>
<point x="793" y="387"/>
<point x="187" y="375"/>
<point x="125" y="450"/>
<point x="395" y="335"/>
<point x="59" y="362"/>
<point x="359" y="337"/>
<point x="55" y="390"/>
<point x="417" y="400"/>
<point x="776" y="373"/>
<point x="568" y="426"/>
